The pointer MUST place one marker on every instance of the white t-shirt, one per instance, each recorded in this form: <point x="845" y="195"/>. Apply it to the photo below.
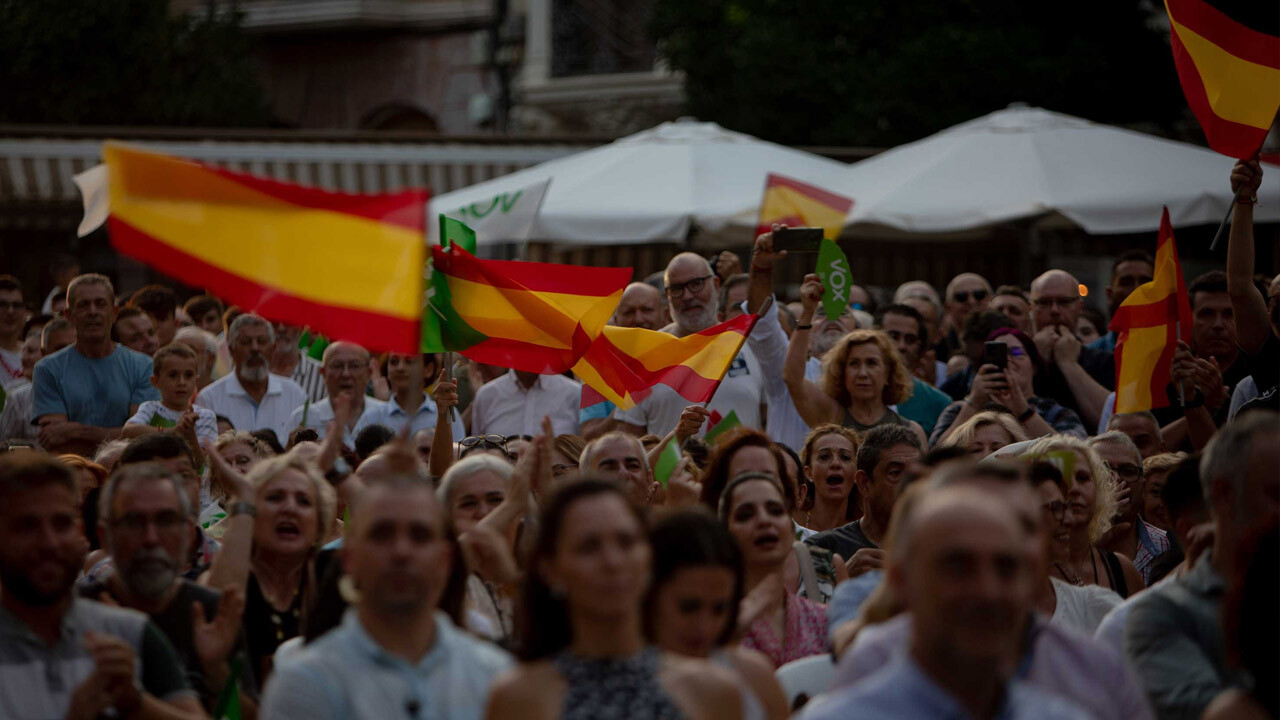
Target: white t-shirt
<point x="155" y="414"/>
<point x="10" y="368"/>
<point x="1082" y="607"/>
<point x="742" y="391"/>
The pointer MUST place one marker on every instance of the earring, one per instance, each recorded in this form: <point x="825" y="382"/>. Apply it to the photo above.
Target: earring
<point x="347" y="589"/>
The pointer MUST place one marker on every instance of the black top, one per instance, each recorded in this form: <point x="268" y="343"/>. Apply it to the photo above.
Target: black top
<point x="615" y="687"/>
<point x="844" y="540"/>
<point x="1051" y="383"/>
<point x="265" y="628"/>
<point x="175" y="623"/>
<point x="1264" y="365"/>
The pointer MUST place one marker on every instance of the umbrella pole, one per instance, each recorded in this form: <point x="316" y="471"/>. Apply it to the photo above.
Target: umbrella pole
<point x="1222" y="228"/>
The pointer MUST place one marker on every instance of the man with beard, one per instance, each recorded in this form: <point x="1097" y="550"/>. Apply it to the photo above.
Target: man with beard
<point x="959" y="567"/>
<point x="641" y="306"/>
<point x="145" y="522"/>
<point x="83" y="394"/>
<point x="692" y="289"/>
<point x="906" y="328"/>
<point x="346" y="371"/>
<point x="768" y="343"/>
<point x="250" y="396"/>
<point x="395" y="653"/>
<point x="1131" y="269"/>
<point x="62" y="656"/>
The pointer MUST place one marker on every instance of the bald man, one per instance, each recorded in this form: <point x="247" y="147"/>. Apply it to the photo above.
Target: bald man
<point x="641" y="306"/>
<point x="1078" y="378"/>
<point x="346" y="369"/>
<point x="692" y="289"/>
<point x="965" y="293"/>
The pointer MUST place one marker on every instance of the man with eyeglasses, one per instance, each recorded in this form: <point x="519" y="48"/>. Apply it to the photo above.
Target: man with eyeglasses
<point x="965" y="293"/>
<point x="146" y="524"/>
<point x="1079" y="378"/>
<point x="346" y="371"/>
<point x="692" y="289"/>
<point x="1130" y="535"/>
<point x="62" y="656"/>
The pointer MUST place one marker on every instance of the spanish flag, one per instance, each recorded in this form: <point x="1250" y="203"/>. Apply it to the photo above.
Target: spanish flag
<point x="1148" y="325"/>
<point x="624" y="364"/>
<point x="1228" y="57"/>
<point x="801" y="205"/>
<point x="536" y="317"/>
<point x="348" y="266"/>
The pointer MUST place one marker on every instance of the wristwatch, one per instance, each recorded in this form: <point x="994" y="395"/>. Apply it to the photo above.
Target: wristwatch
<point x="339" y="472"/>
<point x="240" y="507"/>
<point x="1027" y="414"/>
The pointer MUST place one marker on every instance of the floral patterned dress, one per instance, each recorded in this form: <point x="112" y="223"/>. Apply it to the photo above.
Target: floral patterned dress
<point x="805" y="635"/>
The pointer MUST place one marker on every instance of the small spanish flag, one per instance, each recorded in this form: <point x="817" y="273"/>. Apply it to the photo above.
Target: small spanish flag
<point x="348" y="266"/>
<point x="801" y="205"/>
<point x="1228" y="57"/>
<point x="624" y="364"/>
<point x="1148" y="325"/>
<point x="530" y="316"/>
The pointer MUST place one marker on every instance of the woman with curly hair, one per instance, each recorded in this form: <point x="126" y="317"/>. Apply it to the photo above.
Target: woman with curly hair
<point x="862" y="375"/>
<point x="1091" y="503"/>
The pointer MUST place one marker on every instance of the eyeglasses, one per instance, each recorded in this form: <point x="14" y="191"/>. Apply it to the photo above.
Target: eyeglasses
<point x="963" y="295"/>
<point x="1015" y="351"/>
<point x="560" y="469"/>
<point x="1128" y="472"/>
<point x="1056" y="509"/>
<point x="498" y="441"/>
<point x="694" y="286"/>
<point x="165" y="522"/>
<point x="1046" y="303"/>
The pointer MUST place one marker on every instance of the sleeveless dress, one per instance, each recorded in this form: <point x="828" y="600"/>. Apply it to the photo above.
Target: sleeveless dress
<point x="752" y="708"/>
<point x="615" y="688"/>
<point x="889" y="418"/>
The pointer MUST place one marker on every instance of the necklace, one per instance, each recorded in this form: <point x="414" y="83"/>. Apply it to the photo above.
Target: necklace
<point x="1070" y="576"/>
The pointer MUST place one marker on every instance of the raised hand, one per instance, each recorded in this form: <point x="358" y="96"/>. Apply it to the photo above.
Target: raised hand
<point x="691" y="421"/>
<point x="811" y="294"/>
<point x="727" y="265"/>
<point x="381" y="386"/>
<point x="763" y="256"/>
<point x="215" y="639"/>
<point x="1246" y="179"/>
<point x="987" y="384"/>
<point x="445" y="393"/>
<point x="113" y="659"/>
<point x="233" y="480"/>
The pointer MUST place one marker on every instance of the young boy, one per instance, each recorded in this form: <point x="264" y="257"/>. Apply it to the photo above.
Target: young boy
<point x="175" y="373"/>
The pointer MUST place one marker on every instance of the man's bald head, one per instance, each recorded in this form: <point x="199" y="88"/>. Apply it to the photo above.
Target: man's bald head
<point x="640" y="306"/>
<point x="345" y="367"/>
<point x="965" y="293"/>
<point x="1055" y="300"/>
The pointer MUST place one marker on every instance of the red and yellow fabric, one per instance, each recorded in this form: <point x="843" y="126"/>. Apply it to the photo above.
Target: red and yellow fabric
<point x="1148" y="325"/>
<point x="528" y="316"/>
<point x="348" y="266"/>
<point x="799" y="204"/>
<point x="1228" y="57"/>
<point x="624" y="364"/>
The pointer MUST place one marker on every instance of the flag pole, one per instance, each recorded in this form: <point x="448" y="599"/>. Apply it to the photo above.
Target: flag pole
<point x="1182" y="393"/>
<point x="1222" y="227"/>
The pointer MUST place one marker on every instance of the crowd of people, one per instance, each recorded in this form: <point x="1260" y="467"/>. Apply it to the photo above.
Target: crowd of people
<point x="930" y="508"/>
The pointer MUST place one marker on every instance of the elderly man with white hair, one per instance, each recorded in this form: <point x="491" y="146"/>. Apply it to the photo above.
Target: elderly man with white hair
<point x="250" y="396"/>
<point x="692" y="290"/>
<point x="346" y="371"/>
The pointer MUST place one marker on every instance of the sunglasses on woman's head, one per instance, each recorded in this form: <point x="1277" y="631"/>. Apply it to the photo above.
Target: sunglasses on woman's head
<point x="498" y="441"/>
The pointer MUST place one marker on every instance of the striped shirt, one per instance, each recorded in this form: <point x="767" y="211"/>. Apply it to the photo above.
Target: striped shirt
<point x="307" y="375"/>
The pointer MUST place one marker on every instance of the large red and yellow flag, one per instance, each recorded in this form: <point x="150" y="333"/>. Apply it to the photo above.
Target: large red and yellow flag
<point x="348" y="266"/>
<point x="799" y="204"/>
<point x="624" y="364"/>
<point x="1228" y="57"/>
<point x="530" y="316"/>
<point x="1148" y="325"/>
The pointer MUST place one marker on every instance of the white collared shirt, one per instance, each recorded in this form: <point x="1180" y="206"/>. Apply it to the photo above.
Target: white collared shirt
<point x="320" y="414"/>
<point x="504" y="407"/>
<point x="394" y="417"/>
<point x="228" y="398"/>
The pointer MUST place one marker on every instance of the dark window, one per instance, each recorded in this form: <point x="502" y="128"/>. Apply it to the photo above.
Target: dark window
<point x="598" y="37"/>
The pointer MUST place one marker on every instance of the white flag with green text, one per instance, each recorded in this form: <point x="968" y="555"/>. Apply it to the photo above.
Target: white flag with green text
<point x="505" y="217"/>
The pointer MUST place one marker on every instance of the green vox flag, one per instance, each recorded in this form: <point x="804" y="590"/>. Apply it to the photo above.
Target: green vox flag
<point x="729" y="422"/>
<point x="667" y="463"/>
<point x="833" y="269"/>
<point x="228" y="705"/>
<point x="452" y="231"/>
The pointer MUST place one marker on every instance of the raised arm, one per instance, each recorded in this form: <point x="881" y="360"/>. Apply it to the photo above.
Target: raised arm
<point x="1250" y="308"/>
<point x="446" y="397"/>
<point x="763" y="257"/>
<point x="815" y="407"/>
<point x="230" y="568"/>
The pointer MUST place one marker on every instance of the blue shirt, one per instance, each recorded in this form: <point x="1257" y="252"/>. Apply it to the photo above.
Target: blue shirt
<point x="902" y="690"/>
<point x="849" y="598"/>
<point x="92" y="391"/>
<point x="925" y="404"/>
<point x="347" y="674"/>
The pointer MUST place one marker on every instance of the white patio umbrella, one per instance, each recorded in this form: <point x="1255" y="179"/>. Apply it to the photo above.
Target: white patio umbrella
<point x="654" y="186"/>
<point x="1027" y="162"/>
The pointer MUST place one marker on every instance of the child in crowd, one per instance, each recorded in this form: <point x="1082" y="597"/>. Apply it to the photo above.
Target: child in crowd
<point x="175" y="374"/>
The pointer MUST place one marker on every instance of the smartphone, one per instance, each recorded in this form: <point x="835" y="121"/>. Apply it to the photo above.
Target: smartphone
<point x="995" y="353"/>
<point x="797" y="239"/>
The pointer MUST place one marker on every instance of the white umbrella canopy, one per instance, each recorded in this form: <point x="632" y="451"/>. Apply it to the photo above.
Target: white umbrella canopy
<point x="1025" y="162"/>
<point x="654" y="186"/>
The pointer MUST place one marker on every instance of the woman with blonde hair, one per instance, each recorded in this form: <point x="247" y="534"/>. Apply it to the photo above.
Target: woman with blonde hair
<point x="241" y="451"/>
<point x="985" y="433"/>
<point x="279" y="516"/>
<point x="862" y="375"/>
<point x="1091" y="503"/>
